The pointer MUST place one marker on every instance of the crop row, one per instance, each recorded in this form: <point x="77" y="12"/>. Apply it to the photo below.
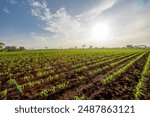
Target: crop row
<point x="42" y="75"/>
<point x="108" y="82"/>
<point x="13" y="83"/>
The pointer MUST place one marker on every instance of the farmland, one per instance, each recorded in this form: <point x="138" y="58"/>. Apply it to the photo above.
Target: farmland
<point x="96" y="74"/>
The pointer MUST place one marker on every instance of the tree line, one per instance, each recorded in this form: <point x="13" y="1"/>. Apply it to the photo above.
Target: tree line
<point x="6" y="48"/>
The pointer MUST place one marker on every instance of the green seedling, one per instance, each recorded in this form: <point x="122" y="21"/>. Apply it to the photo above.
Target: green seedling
<point x="79" y="97"/>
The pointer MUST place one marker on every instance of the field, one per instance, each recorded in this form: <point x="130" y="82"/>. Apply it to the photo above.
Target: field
<point x="98" y="74"/>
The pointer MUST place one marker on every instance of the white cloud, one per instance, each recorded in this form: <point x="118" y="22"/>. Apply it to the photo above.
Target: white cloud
<point x="64" y="24"/>
<point x="12" y="2"/>
<point x="32" y="33"/>
<point x="97" y="10"/>
<point x="38" y="4"/>
<point x="130" y="22"/>
<point x="6" y="10"/>
<point x="75" y="30"/>
<point x="68" y="29"/>
<point x="60" y="22"/>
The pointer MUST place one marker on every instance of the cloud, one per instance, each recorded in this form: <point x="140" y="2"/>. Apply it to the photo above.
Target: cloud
<point x="60" y="22"/>
<point x="125" y="18"/>
<point x="6" y="10"/>
<point x="33" y="33"/>
<point x="132" y="24"/>
<point x="40" y="5"/>
<point x="63" y="23"/>
<point x="12" y="2"/>
<point x="93" y="13"/>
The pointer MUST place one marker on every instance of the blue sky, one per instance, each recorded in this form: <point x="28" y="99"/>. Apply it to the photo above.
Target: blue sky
<point x="69" y="23"/>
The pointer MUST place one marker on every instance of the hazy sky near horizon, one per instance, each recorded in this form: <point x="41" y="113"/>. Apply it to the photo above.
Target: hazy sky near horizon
<point x="70" y="23"/>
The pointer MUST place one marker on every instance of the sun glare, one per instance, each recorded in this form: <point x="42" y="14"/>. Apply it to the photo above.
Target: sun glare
<point x="100" y="32"/>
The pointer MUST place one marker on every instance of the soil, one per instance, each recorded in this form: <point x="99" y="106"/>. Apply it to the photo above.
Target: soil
<point x="90" y="83"/>
<point x="122" y="87"/>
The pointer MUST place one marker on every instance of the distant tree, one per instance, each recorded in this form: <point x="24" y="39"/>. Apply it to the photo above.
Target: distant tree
<point x="21" y="48"/>
<point x="10" y="48"/>
<point x="75" y="48"/>
<point x="13" y="48"/>
<point x="1" y="45"/>
<point x="7" y="48"/>
<point x="129" y="46"/>
<point x="46" y="47"/>
<point x="71" y="48"/>
<point x="83" y="46"/>
<point x="90" y="47"/>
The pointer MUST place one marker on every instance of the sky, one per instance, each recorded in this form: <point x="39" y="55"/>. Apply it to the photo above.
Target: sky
<point x="38" y="24"/>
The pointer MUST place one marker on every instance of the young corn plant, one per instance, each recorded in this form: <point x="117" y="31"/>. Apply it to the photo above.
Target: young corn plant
<point x="13" y="82"/>
<point x="122" y="70"/>
<point x="26" y="78"/>
<point x="53" y="90"/>
<point x="4" y="94"/>
<point x="44" y="93"/>
<point x="140" y="86"/>
<point x="61" y="86"/>
<point x="31" y="84"/>
<point x="79" y="97"/>
<point x="81" y="77"/>
<point x="18" y="88"/>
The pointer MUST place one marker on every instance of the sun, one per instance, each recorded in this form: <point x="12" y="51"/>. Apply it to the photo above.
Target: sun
<point x="100" y="31"/>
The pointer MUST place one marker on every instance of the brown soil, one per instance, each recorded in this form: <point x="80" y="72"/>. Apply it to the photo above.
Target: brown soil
<point x="86" y="85"/>
<point x="71" y="77"/>
<point x="122" y="87"/>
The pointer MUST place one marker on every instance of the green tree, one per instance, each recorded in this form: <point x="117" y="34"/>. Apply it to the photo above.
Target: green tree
<point x="13" y="48"/>
<point x="21" y="48"/>
<point x="83" y="46"/>
<point x="1" y="45"/>
<point x="10" y="48"/>
<point x="90" y="47"/>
